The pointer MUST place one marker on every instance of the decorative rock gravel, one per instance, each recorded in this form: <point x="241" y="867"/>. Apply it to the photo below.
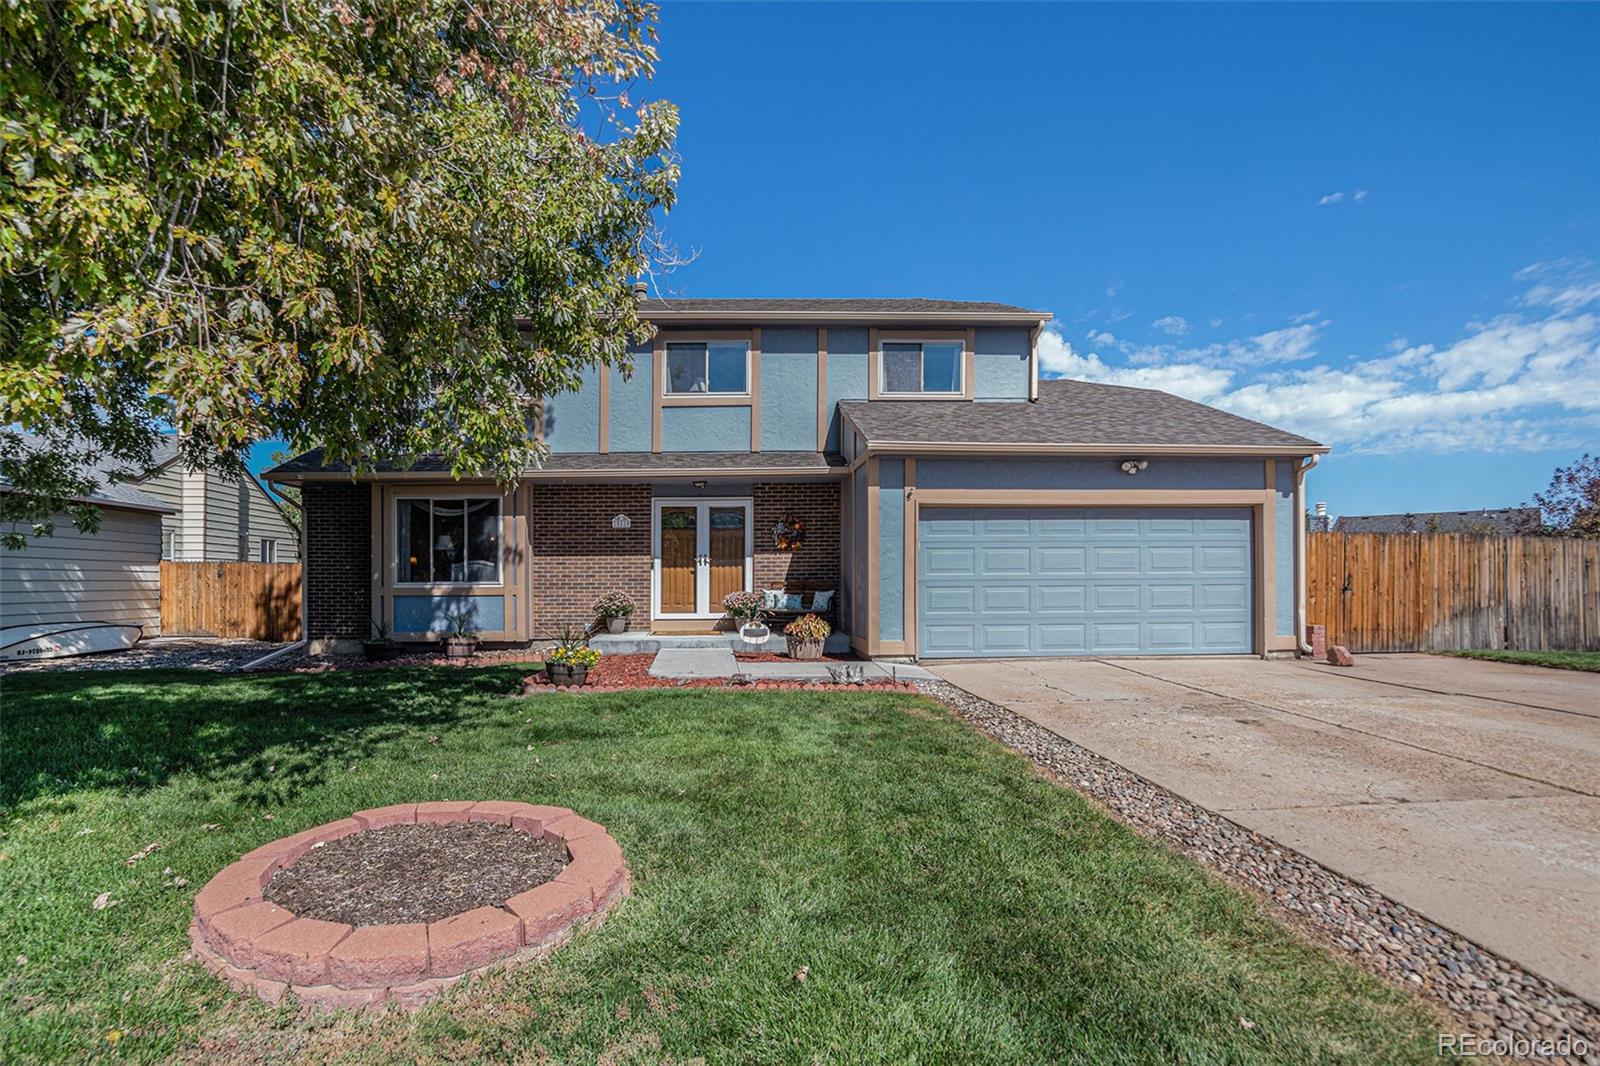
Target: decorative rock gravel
<point x="159" y="653"/>
<point x="1491" y="995"/>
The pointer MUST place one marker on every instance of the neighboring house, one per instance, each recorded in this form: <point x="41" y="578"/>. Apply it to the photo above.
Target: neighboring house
<point x="113" y="575"/>
<point x="217" y="520"/>
<point x="1497" y="522"/>
<point x="902" y="454"/>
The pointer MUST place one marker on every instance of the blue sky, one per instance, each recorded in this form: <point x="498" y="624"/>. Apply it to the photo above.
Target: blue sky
<point x="1378" y="225"/>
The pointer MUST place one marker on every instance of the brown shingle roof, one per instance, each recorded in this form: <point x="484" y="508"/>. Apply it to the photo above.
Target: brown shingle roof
<point x="814" y="309"/>
<point x="1069" y="412"/>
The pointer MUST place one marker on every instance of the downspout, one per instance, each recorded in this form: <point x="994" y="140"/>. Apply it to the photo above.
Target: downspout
<point x="1033" y="363"/>
<point x="1300" y="472"/>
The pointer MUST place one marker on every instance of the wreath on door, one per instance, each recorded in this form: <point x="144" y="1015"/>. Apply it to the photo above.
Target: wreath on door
<point x="789" y="533"/>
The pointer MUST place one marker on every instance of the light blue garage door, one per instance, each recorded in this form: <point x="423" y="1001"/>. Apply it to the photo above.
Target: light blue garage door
<point x="1081" y="581"/>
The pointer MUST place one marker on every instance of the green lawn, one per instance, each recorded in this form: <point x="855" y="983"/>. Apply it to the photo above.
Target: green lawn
<point x="1560" y="660"/>
<point x="943" y="901"/>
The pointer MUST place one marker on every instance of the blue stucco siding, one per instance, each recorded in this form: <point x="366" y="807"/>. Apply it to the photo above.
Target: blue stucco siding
<point x="891" y="549"/>
<point x="858" y="556"/>
<point x="629" y="402"/>
<point x="788" y="390"/>
<point x="1283" y="546"/>
<point x="705" y="429"/>
<point x="572" y="419"/>
<point x="1000" y="370"/>
<point x="1087" y="474"/>
<point x="847" y="374"/>
<point x="431" y="614"/>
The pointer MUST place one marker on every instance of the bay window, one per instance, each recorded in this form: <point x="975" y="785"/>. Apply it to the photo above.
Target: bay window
<point x="447" y="540"/>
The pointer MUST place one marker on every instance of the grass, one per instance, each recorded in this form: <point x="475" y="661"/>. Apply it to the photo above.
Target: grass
<point x="941" y="900"/>
<point x="1558" y="660"/>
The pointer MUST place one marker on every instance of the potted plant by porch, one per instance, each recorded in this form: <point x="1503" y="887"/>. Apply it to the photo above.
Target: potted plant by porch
<point x="745" y="608"/>
<point x="614" y="609"/>
<point x="382" y="648"/>
<point x="569" y="662"/>
<point x="806" y="636"/>
<point x="461" y="640"/>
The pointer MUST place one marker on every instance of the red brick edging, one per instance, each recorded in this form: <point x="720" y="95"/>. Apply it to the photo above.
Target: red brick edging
<point x="260" y="947"/>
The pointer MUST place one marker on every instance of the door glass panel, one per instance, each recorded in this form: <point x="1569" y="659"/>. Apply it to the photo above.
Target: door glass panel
<point x="727" y="553"/>
<point x="678" y="528"/>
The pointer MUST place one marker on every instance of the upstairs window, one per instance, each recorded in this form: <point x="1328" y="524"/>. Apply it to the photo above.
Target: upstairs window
<point x="708" y="368"/>
<point x="452" y="540"/>
<point x="269" y="550"/>
<point x="913" y="367"/>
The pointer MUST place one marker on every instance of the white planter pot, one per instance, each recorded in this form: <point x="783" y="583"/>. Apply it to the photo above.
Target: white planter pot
<point x="754" y="633"/>
<point x="616" y="625"/>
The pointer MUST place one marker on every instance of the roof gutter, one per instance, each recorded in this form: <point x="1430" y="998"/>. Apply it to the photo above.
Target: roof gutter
<point x="601" y="474"/>
<point x="1243" y="451"/>
<point x="969" y="318"/>
<point x="1300" y="472"/>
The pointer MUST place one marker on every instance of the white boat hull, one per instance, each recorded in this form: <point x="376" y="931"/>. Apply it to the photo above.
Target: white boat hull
<point x="61" y="639"/>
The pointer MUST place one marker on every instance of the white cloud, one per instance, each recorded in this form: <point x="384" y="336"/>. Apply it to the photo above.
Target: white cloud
<point x="1357" y="196"/>
<point x="1176" y="325"/>
<point x="1114" y="288"/>
<point x="1520" y="381"/>
<point x="1331" y="198"/>
<point x="1305" y="317"/>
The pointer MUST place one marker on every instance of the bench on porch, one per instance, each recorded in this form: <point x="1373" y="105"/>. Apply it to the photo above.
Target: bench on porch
<point x="778" y="617"/>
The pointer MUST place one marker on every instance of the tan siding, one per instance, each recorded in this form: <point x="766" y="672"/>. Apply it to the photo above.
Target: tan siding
<point x="112" y="576"/>
<point x="225" y="503"/>
<point x="167" y="486"/>
<point x="263" y="519"/>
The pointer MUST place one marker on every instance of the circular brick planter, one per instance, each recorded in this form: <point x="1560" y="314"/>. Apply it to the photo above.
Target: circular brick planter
<point x="259" y="946"/>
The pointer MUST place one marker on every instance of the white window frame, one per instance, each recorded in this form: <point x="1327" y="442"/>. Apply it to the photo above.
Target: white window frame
<point x="921" y="342"/>
<point x="666" y="368"/>
<point x="268" y="548"/>
<point x="702" y="550"/>
<point x="169" y="545"/>
<point x="430" y="499"/>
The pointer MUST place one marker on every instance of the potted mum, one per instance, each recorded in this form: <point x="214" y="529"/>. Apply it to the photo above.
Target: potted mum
<point x="745" y="608"/>
<point x="382" y="648"/>
<point x="614" y="609"/>
<point x="806" y="635"/>
<point x="461" y="639"/>
<point x="569" y="662"/>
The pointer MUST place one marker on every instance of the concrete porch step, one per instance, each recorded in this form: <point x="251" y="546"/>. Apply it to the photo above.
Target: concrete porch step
<point x="640" y="642"/>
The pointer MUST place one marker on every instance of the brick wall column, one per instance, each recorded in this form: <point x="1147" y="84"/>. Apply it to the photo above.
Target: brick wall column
<point x="337" y="562"/>
<point x="577" y="555"/>
<point x="815" y="564"/>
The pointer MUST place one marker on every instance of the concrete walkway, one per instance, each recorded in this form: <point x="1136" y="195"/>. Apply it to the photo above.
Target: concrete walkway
<point x="1468" y="790"/>
<point x="696" y="663"/>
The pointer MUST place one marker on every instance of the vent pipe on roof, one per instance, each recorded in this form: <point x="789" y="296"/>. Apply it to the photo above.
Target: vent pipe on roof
<point x="641" y="289"/>
<point x="1322" y="509"/>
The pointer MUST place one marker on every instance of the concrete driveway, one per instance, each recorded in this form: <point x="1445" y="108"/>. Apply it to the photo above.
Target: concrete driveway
<point x="1469" y="791"/>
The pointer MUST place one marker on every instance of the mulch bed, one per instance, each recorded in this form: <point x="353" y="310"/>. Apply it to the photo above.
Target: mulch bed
<point x="415" y="873"/>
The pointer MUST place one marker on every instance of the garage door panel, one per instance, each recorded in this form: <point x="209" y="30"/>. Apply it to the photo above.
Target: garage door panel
<point x="1084" y="581"/>
<point x="1170" y="560"/>
<point x="1054" y="598"/>
<point x="1005" y="599"/>
<point x="1169" y="597"/>
<point x="1001" y="562"/>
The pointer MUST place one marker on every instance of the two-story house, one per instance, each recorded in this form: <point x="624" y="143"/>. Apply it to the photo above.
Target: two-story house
<point x="902" y="453"/>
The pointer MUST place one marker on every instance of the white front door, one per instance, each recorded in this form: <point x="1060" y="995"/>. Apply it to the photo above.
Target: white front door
<point x="703" y="551"/>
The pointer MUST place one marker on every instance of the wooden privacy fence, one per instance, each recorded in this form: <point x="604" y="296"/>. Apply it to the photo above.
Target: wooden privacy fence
<point x="1439" y="591"/>
<point x="259" y="601"/>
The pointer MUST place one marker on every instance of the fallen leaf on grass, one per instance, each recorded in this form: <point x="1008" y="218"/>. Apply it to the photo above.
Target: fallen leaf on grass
<point x="104" y="900"/>
<point x="113" y="1036"/>
<point x="209" y="826"/>
<point x="142" y="852"/>
<point x="1246" y="1023"/>
<point x="802" y="973"/>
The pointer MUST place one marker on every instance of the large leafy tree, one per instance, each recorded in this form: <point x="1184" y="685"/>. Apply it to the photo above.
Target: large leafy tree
<point x="1570" y="505"/>
<point x="381" y="226"/>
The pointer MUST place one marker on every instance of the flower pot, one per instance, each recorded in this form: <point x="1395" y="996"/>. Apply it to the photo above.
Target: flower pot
<point x="754" y="633"/>
<point x="565" y="675"/>
<point x="805" y="649"/>
<point x="381" y="651"/>
<point x="619" y="624"/>
<point x="460" y="647"/>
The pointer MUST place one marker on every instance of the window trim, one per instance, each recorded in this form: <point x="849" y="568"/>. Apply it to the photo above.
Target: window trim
<point x="399" y="499"/>
<point x="965" y="362"/>
<point x="705" y="342"/>
<point x="262" y="544"/>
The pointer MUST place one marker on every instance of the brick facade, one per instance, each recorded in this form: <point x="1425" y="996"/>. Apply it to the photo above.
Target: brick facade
<point x="338" y="561"/>
<point x="577" y="555"/>
<point x="815" y="564"/>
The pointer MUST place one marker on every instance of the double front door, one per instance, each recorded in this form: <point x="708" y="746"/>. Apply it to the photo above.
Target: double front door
<point x="702" y="553"/>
